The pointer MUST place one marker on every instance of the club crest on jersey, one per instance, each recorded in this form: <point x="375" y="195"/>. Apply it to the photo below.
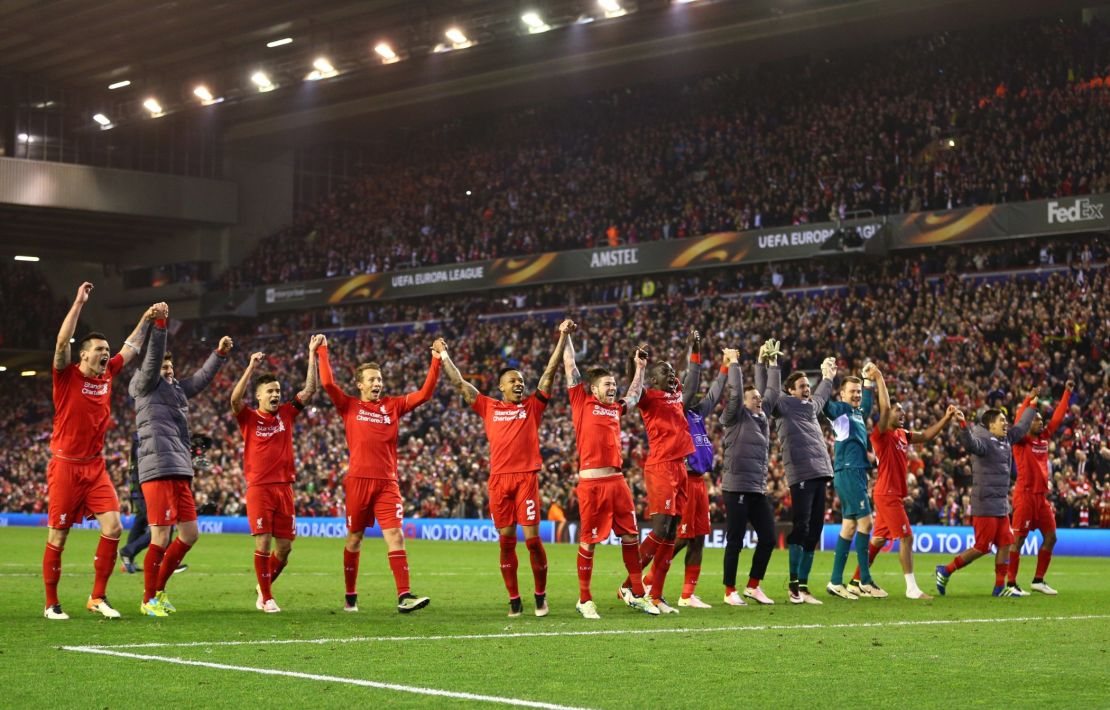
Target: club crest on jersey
<point x="167" y="513"/>
<point x="258" y="523"/>
<point x="62" y="518"/>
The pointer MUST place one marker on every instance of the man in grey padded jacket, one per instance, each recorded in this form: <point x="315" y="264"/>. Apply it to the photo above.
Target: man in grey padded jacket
<point x="165" y="458"/>
<point x="991" y="447"/>
<point x="747" y="423"/>
<point x="806" y="459"/>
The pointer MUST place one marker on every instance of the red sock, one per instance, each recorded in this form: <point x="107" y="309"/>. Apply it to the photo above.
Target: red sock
<point x="956" y="563"/>
<point x="350" y="570"/>
<point x="585" y="571"/>
<point x="152" y="565"/>
<point x="104" y="563"/>
<point x="399" y="564"/>
<point x="729" y="590"/>
<point x="1000" y="573"/>
<point x="648" y="579"/>
<point x="276" y="566"/>
<point x="172" y="560"/>
<point x="632" y="563"/>
<point x="691" y="580"/>
<point x="1015" y="562"/>
<point x="538" y="557"/>
<point x="646" y="554"/>
<point x="509" y="565"/>
<point x="752" y="583"/>
<point x="51" y="572"/>
<point x="262" y="573"/>
<point x="872" y="553"/>
<point x="660" y="566"/>
<point x="1043" y="558"/>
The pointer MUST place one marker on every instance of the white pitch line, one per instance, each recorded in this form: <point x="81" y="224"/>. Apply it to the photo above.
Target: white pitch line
<point x="328" y="679"/>
<point x="600" y="632"/>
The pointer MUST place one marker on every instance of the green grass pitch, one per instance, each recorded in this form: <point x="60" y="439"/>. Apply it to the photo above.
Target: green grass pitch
<point x="966" y="649"/>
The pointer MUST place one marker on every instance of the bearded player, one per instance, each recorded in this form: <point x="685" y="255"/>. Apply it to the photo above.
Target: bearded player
<point x="270" y="469"/>
<point x="77" y="482"/>
<point x="512" y="426"/>
<point x="604" y="499"/>
<point x="1032" y="511"/>
<point x="164" y="459"/>
<point x="371" y="421"/>
<point x="891" y="444"/>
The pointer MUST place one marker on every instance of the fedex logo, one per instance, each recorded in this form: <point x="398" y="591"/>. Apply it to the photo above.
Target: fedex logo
<point x="1081" y="210"/>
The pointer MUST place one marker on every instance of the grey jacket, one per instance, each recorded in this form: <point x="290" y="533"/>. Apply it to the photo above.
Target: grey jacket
<point x="804" y="453"/>
<point x="161" y="410"/>
<point x="747" y="438"/>
<point x="990" y="469"/>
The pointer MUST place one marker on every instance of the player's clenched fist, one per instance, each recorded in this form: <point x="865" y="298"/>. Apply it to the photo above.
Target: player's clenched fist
<point x="568" y="326"/>
<point x="83" y="292"/>
<point x="256" y="358"/>
<point x="226" y="344"/>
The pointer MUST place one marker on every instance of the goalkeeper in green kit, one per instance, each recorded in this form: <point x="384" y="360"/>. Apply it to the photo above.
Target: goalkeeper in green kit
<point x="848" y="417"/>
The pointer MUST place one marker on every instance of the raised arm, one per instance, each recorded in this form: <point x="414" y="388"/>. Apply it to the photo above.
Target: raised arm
<point x="636" y="387"/>
<point x="195" y="383"/>
<point x="69" y="326"/>
<point x="146" y="379"/>
<point x="327" y="379"/>
<point x="570" y="367"/>
<point x="920" y="437"/>
<point x="823" y="391"/>
<point x="691" y="379"/>
<point x="547" y="379"/>
<point x="884" y="398"/>
<point x="709" y="402"/>
<point x="973" y="444"/>
<point x="131" y="344"/>
<point x="1021" y="427"/>
<point x="312" y="379"/>
<point x="415" y="399"/>
<point x="735" y="395"/>
<point x="1061" y="410"/>
<point x="468" y="391"/>
<point x="240" y="388"/>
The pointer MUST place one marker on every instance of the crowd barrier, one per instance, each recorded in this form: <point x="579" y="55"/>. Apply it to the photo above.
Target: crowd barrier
<point x="1078" y="542"/>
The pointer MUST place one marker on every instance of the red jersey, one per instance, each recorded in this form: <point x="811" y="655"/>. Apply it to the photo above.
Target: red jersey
<point x="82" y="410"/>
<point x="667" y="430"/>
<point x="891" y="448"/>
<point x="513" y="431"/>
<point x="597" y="427"/>
<point x="371" y="427"/>
<point x="268" y="443"/>
<point x="1031" y="453"/>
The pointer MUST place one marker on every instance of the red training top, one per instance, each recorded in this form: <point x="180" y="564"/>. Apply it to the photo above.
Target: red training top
<point x="667" y="430"/>
<point x="891" y="449"/>
<point x="371" y="427"/>
<point x="597" y="428"/>
<point x="513" y="431"/>
<point x="1031" y="454"/>
<point x="82" y="410"/>
<point x="268" y="444"/>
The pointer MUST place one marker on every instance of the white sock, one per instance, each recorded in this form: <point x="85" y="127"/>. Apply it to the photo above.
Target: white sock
<point x="911" y="585"/>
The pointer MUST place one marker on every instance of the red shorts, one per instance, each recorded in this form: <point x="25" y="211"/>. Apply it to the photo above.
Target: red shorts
<point x="666" y="487"/>
<point x="695" y="518"/>
<point x="514" y="498"/>
<point x="1033" y="512"/>
<point x="604" y="505"/>
<point x="76" y="491"/>
<point x="990" y="530"/>
<point x="270" y="510"/>
<point x="891" y="521"/>
<point x="370" y="499"/>
<point x="169" y="501"/>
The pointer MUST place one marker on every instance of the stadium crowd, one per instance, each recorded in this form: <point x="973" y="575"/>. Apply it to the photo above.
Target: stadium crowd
<point x="981" y="116"/>
<point x="942" y="323"/>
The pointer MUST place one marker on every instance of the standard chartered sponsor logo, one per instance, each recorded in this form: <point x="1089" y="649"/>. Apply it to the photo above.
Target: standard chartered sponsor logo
<point x="1077" y="210"/>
